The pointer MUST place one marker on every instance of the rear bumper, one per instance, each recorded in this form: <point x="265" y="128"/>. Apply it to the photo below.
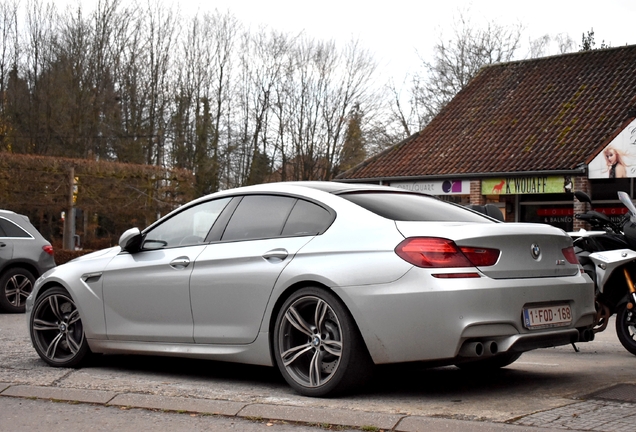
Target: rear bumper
<point x="421" y="318"/>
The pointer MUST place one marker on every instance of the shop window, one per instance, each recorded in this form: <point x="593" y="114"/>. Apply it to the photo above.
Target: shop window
<point x="607" y="189"/>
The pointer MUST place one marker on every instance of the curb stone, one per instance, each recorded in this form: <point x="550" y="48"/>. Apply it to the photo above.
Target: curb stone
<point x="204" y="406"/>
<point x="320" y="415"/>
<point x="311" y="416"/>
<point x="58" y="393"/>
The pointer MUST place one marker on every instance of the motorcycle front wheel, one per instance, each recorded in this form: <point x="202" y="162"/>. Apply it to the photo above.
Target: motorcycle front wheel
<point x="626" y="328"/>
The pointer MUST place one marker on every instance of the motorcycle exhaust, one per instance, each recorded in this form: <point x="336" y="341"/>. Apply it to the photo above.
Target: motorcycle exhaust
<point x="586" y="335"/>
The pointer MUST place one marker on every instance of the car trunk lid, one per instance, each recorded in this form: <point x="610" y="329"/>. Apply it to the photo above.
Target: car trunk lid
<point x="527" y="250"/>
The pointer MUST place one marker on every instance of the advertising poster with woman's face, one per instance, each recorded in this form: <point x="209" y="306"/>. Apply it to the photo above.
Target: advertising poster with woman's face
<point x="618" y="159"/>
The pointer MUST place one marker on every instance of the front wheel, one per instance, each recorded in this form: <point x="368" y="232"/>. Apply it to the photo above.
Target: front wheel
<point x="317" y="345"/>
<point x="57" y="331"/>
<point x="626" y="327"/>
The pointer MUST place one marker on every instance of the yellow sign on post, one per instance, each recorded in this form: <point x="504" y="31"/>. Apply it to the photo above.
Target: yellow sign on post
<point x="75" y="189"/>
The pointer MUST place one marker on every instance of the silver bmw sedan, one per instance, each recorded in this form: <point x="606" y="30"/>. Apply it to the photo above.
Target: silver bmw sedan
<point x="323" y="280"/>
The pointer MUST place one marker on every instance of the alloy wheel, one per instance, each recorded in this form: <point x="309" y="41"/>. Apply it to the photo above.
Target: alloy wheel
<point x="310" y="341"/>
<point x="17" y="289"/>
<point x="57" y="330"/>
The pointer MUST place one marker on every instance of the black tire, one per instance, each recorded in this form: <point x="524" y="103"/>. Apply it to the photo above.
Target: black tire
<point x="491" y="363"/>
<point x="15" y="286"/>
<point x="626" y="327"/>
<point x="318" y="348"/>
<point x="57" y="331"/>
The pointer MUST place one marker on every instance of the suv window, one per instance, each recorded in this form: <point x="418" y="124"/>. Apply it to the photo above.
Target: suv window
<point x="412" y="207"/>
<point x="11" y="230"/>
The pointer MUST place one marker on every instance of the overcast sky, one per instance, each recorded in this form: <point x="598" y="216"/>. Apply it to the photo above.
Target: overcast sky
<point x="395" y="30"/>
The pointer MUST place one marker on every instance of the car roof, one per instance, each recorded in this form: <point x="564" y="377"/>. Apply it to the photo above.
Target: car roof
<point x="337" y="188"/>
<point x="13" y="216"/>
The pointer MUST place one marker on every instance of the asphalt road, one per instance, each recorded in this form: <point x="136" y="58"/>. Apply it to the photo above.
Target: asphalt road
<point x="541" y="381"/>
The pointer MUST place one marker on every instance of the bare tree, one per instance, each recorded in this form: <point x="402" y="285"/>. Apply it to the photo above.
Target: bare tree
<point x="264" y="63"/>
<point x="565" y="43"/>
<point x="544" y="45"/>
<point x="458" y="59"/>
<point x="348" y="94"/>
<point x="9" y="50"/>
<point x="9" y="82"/>
<point x="540" y="47"/>
<point x="203" y="97"/>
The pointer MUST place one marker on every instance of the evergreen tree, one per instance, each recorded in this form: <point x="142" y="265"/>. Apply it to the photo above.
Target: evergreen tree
<point x="353" y="150"/>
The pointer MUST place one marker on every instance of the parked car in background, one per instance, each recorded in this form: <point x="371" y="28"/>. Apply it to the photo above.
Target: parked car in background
<point x="322" y="280"/>
<point x="24" y="256"/>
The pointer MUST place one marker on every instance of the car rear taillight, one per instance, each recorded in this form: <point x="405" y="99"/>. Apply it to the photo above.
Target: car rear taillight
<point x="570" y="255"/>
<point x="48" y="249"/>
<point x="481" y="257"/>
<point x="435" y="252"/>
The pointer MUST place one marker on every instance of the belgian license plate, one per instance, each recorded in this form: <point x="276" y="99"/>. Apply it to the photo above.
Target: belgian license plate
<point x="547" y="316"/>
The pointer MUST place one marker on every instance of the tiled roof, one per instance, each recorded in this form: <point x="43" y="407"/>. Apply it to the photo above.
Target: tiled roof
<point x="547" y="114"/>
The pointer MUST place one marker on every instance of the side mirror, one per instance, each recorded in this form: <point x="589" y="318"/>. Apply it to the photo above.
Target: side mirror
<point x="130" y="240"/>
<point x="583" y="197"/>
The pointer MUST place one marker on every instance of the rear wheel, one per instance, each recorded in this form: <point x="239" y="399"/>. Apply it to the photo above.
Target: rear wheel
<point x="15" y="284"/>
<point x="626" y="328"/>
<point x="490" y="363"/>
<point x="57" y="331"/>
<point x="317" y="345"/>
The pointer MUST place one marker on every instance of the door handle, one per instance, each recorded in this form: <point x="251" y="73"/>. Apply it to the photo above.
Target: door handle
<point x="180" y="263"/>
<point x="276" y="255"/>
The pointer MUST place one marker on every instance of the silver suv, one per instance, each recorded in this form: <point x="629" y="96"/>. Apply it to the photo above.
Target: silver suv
<point x="24" y="256"/>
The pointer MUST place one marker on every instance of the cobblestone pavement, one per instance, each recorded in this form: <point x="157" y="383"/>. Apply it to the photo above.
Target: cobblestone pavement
<point x="591" y="415"/>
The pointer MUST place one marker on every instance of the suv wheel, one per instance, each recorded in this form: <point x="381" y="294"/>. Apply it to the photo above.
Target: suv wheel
<point x="15" y="286"/>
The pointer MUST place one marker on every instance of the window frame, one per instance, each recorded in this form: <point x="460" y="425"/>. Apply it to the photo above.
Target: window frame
<point x="4" y="235"/>
<point x="216" y="234"/>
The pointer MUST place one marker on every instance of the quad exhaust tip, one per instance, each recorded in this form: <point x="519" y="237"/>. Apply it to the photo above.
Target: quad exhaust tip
<point x="478" y="349"/>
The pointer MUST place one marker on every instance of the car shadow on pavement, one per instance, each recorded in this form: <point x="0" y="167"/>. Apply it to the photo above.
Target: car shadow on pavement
<point x="189" y="368"/>
<point x="450" y="381"/>
<point x="402" y="380"/>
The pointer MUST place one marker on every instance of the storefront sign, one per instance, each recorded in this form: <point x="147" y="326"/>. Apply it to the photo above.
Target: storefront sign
<point x="618" y="159"/>
<point x="440" y="187"/>
<point x="527" y="185"/>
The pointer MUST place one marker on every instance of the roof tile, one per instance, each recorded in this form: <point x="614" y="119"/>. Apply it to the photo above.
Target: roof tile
<point x="551" y="113"/>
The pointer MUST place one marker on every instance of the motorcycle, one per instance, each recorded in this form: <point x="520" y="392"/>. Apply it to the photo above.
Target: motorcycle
<point x="608" y="255"/>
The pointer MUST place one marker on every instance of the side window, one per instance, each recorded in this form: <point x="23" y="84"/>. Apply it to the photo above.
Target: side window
<point x="190" y="227"/>
<point x="307" y="219"/>
<point x="11" y="230"/>
<point x="258" y="217"/>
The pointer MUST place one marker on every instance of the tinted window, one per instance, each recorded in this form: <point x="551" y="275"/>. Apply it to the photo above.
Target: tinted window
<point x="411" y="207"/>
<point x="9" y="229"/>
<point x="259" y="216"/>
<point x="307" y="219"/>
<point x="189" y="227"/>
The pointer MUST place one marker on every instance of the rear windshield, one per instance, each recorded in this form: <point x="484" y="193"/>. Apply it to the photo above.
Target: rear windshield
<point x="413" y="207"/>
